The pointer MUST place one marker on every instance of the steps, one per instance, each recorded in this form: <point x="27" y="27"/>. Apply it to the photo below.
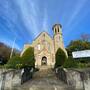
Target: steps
<point x="44" y="80"/>
<point x="44" y="73"/>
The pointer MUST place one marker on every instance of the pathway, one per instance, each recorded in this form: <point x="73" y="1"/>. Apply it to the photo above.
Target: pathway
<point x="44" y="80"/>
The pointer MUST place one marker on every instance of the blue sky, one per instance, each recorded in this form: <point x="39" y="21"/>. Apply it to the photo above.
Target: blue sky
<point x="22" y="20"/>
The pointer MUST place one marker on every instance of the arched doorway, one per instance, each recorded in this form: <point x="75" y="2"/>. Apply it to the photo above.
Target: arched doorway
<point x="44" y="61"/>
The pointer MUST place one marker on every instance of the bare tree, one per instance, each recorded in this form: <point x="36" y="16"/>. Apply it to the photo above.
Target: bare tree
<point x="85" y="37"/>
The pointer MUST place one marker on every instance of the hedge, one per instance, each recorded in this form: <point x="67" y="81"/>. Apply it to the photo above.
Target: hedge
<point x="60" y="58"/>
<point x="28" y="58"/>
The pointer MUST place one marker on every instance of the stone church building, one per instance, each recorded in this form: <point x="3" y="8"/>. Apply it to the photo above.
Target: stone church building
<point x="45" y="47"/>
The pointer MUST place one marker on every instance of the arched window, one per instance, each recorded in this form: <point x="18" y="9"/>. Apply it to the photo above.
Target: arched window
<point x="55" y="30"/>
<point x="58" y="29"/>
<point x="38" y="46"/>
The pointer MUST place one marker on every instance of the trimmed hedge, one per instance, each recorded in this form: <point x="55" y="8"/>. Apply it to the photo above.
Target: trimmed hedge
<point x="60" y="58"/>
<point x="28" y="58"/>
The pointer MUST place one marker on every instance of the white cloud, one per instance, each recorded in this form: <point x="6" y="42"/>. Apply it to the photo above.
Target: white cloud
<point x="11" y="43"/>
<point x="29" y="15"/>
<point x="45" y="21"/>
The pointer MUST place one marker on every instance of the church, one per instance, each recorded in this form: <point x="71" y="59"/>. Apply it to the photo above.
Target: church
<point x="45" y="47"/>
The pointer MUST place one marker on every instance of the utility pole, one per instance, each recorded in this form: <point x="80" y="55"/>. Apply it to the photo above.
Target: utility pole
<point x="13" y="47"/>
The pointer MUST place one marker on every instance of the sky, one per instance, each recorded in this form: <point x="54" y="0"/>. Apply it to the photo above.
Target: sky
<point x="23" y="20"/>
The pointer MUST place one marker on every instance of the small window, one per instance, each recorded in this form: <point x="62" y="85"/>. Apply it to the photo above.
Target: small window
<point x="38" y="46"/>
<point x="55" y="30"/>
<point x="43" y="35"/>
<point x="58" y="29"/>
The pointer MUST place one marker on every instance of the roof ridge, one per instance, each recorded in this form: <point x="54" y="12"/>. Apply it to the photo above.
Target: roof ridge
<point x="40" y="34"/>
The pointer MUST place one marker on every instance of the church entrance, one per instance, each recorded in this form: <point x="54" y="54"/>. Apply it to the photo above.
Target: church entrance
<point x="44" y="61"/>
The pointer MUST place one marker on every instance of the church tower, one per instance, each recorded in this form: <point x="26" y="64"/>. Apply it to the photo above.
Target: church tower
<point x="58" y="40"/>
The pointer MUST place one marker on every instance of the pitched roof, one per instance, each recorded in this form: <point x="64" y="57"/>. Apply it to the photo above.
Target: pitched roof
<point x="42" y="33"/>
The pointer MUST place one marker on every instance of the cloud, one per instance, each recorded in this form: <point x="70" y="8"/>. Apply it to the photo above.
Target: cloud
<point x="11" y="43"/>
<point x="29" y="15"/>
<point x="45" y="20"/>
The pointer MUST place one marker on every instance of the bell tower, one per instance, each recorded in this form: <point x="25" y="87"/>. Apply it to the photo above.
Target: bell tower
<point x="58" y="40"/>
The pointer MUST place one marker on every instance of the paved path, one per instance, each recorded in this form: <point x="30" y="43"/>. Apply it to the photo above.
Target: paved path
<point x="44" y="80"/>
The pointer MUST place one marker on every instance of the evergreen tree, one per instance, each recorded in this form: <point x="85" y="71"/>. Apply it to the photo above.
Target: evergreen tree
<point x="60" y="58"/>
<point x="28" y="58"/>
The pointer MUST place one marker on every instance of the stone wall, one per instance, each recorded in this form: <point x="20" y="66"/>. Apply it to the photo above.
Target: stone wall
<point x="78" y="79"/>
<point x="10" y="79"/>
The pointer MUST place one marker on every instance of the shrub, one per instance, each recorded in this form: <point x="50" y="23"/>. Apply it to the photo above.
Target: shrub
<point x="88" y="65"/>
<point x="70" y="63"/>
<point x="60" y="57"/>
<point x="76" y="63"/>
<point x="15" y="62"/>
<point x="28" y="58"/>
<point x="82" y="65"/>
<point x="84" y="60"/>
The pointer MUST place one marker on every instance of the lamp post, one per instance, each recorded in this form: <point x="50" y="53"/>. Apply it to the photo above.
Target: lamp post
<point x="13" y="47"/>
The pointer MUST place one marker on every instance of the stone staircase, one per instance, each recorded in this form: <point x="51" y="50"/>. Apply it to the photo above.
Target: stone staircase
<point x="44" y="73"/>
<point x="44" y="80"/>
